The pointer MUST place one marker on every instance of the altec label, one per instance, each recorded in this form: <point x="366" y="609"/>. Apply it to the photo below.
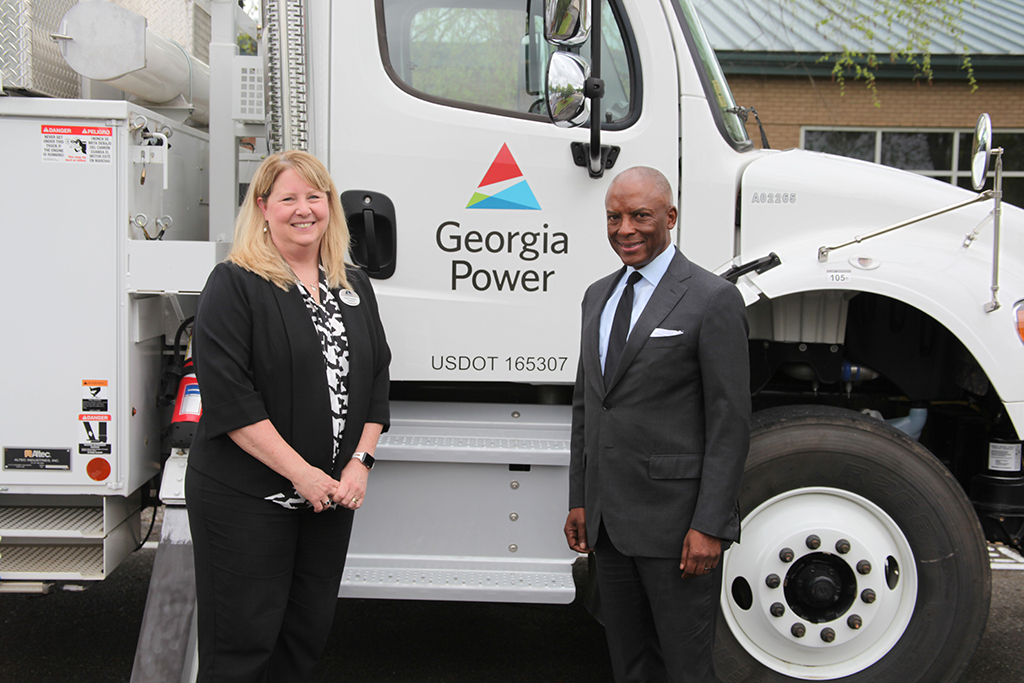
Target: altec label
<point x="37" y="459"/>
<point x="77" y="144"/>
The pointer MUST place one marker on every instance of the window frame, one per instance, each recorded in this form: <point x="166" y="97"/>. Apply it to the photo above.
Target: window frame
<point x="709" y="90"/>
<point x="629" y="45"/>
<point x="951" y="175"/>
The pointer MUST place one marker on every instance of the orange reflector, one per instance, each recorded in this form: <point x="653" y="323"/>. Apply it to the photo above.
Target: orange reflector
<point x="1020" y="322"/>
<point x="98" y="469"/>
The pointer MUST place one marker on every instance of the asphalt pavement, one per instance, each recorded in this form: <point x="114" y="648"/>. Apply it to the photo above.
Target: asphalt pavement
<point x="90" y="637"/>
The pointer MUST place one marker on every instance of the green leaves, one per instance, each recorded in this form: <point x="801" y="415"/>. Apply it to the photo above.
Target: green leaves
<point x="909" y="27"/>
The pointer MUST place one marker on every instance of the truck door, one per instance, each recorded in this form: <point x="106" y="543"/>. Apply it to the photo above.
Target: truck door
<point x="438" y="106"/>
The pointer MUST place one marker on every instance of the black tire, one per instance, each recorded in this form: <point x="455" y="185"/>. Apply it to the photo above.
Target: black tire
<point x="810" y="446"/>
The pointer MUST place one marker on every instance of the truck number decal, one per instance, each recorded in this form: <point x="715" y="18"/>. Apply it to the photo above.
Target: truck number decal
<point x="492" y="363"/>
<point x="773" y="198"/>
<point x="839" y="277"/>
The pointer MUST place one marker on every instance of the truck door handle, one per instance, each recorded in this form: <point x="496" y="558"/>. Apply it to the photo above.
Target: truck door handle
<point x="371" y="223"/>
<point x="370" y="237"/>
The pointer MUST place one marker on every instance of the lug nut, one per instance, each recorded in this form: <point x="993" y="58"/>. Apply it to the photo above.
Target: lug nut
<point x="786" y="555"/>
<point x="777" y="609"/>
<point x="868" y="595"/>
<point x="772" y="581"/>
<point x="798" y="630"/>
<point x="842" y="546"/>
<point x="828" y="635"/>
<point x="854" y="622"/>
<point x="813" y="542"/>
<point x="864" y="567"/>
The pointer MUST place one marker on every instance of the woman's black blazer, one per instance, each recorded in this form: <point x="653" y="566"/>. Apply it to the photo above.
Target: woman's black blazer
<point x="257" y="356"/>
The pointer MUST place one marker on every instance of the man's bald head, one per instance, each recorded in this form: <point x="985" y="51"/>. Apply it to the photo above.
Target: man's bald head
<point x="640" y="215"/>
<point x="654" y="179"/>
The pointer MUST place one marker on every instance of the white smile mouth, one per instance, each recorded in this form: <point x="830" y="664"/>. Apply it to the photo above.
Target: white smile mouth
<point x="302" y="226"/>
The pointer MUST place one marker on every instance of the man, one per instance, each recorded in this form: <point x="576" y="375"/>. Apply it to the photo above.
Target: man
<point x="660" y="432"/>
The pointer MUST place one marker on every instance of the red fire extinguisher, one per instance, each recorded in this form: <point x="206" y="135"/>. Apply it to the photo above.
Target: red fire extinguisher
<point x="188" y="407"/>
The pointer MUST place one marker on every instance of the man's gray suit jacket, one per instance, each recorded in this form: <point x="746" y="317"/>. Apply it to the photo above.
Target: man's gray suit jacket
<point x="662" y="450"/>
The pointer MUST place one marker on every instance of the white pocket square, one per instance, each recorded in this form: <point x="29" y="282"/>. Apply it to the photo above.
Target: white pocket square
<point x="662" y="332"/>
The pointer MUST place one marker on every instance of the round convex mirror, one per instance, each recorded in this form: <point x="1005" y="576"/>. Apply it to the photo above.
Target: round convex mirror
<point x="981" y="151"/>
<point x="568" y="107"/>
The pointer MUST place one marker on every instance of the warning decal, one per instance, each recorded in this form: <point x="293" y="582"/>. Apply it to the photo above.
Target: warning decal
<point x="37" y="459"/>
<point x="77" y="144"/>
<point x="94" y="434"/>
<point x="94" y="395"/>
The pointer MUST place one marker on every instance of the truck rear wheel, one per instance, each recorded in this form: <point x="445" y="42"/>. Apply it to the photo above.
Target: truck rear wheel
<point x="860" y="557"/>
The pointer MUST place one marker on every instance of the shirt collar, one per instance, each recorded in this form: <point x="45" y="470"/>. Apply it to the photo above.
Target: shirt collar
<point x="656" y="269"/>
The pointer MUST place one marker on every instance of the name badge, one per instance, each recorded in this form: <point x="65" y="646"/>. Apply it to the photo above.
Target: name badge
<point x="348" y="297"/>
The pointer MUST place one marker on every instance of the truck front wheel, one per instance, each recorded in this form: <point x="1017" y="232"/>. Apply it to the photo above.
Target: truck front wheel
<point x="860" y="559"/>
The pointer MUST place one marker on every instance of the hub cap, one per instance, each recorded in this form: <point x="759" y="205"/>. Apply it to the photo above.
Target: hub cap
<point x="821" y="596"/>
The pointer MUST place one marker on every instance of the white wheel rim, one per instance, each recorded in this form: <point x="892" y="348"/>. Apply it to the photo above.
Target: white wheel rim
<point x="786" y="521"/>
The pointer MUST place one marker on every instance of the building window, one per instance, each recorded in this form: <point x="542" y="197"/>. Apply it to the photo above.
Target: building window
<point x="941" y="154"/>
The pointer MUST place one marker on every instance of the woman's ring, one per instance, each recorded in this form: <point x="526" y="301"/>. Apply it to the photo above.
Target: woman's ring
<point x="355" y="500"/>
<point x="707" y="568"/>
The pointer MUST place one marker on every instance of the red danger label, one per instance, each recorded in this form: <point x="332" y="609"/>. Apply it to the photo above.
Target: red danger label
<point x="77" y="130"/>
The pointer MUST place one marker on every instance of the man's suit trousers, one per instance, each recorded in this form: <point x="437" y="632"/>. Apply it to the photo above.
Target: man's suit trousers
<point x="660" y="627"/>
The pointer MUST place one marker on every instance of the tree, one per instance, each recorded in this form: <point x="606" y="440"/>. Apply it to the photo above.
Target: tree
<point x="917" y="22"/>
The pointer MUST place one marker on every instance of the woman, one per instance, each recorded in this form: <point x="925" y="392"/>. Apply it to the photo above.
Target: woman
<point x="292" y="363"/>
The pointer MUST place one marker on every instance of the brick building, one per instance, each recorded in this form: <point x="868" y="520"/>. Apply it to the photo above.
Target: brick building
<point x="771" y="53"/>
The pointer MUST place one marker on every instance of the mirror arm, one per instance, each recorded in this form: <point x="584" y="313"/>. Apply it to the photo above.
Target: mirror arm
<point x="997" y="210"/>
<point x="594" y="89"/>
<point x="823" y="252"/>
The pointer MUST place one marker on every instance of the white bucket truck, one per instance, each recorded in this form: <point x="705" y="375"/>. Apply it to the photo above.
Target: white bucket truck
<point x="862" y="555"/>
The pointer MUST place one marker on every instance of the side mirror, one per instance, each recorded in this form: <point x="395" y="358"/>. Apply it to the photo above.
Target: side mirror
<point x="981" y="151"/>
<point x="567" y="22"/>
<point x="568" y="105"/>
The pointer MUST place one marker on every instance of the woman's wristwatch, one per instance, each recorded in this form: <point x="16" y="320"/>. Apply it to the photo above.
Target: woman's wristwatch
<point x="364" y="458"/>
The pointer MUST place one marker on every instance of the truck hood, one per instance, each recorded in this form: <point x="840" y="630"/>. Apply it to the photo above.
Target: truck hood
<point x="815" y="199"/>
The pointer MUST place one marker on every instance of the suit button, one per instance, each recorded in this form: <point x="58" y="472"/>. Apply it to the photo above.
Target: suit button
<point x="607" y="406"/>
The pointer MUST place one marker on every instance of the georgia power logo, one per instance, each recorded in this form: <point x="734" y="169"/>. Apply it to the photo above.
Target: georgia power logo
<point x="503" y="186"/>
<point x="510" y="253"/>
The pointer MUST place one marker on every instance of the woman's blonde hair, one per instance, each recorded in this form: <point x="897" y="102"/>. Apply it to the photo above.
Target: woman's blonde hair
<point x="253" y="248"/>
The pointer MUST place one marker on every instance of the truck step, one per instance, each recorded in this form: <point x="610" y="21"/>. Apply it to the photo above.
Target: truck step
<point x="457" y="584"/>
<point x="53" y="562"/>
<point x="68" y="538"/>
<point x="51" y="522"/>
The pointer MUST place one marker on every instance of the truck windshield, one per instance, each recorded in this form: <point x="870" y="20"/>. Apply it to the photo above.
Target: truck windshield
<point x="715" y="85"/>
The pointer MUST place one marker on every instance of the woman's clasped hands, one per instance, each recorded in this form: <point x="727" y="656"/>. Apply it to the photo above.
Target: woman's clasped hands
<point x="320" y="489"/>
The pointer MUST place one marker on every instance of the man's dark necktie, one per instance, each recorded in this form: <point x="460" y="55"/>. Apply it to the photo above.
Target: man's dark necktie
<point x="620" y="328"/>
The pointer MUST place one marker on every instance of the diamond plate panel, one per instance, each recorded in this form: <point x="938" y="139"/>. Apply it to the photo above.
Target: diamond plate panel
<point x="201" y="30"/>
<point x="73" y="521"/>
<point x="37" y="562"/>
<point x="29" y="59"/>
